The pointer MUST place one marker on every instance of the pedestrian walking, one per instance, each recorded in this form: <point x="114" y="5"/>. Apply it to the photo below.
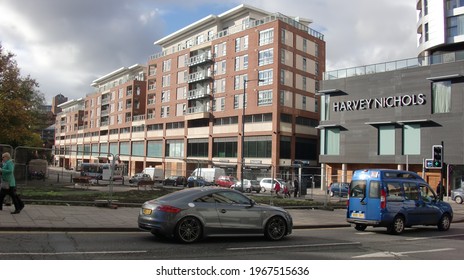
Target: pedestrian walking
<point x="8" y="185"/>
<point x="277" y="188"/>
<point x="296" y="188"/>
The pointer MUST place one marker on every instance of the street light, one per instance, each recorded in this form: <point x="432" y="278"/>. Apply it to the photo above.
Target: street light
<point x="245" y="81"/>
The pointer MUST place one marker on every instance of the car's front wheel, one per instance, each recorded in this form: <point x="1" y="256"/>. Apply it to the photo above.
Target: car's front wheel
<point x="276" y="228"/>
<point x="458" y="199"/>
<point x="188" y="230"/>
<point x="331" y="193"/>
<point x="444" y="223"/>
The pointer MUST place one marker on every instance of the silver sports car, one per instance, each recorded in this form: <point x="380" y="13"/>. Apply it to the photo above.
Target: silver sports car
<point x="191" y="214"/>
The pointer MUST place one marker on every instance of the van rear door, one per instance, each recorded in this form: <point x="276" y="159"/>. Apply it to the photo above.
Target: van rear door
<point x="365" y="202"/>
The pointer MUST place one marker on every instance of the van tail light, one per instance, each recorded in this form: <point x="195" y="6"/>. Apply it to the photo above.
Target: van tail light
<point x="168" y="209"/>
<point x="383" y="199"/>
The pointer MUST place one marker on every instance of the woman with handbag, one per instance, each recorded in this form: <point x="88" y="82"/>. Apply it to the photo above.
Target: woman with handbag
<point x="8" y="185"/>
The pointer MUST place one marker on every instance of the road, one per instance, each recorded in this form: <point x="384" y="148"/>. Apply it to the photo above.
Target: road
<point x="425" y="243"/>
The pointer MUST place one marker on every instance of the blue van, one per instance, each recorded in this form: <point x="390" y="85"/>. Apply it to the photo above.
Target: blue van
<point x="394" y="199"/>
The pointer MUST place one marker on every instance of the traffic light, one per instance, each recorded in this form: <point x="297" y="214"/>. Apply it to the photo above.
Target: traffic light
<point x="437" y="161"/>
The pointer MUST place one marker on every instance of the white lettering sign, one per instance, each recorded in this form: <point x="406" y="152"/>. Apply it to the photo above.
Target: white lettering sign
<point x="382" y="102"/>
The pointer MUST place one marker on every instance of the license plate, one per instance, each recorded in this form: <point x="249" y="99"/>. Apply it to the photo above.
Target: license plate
<point x="357" y="215"/>
<point x="146" y="211"/>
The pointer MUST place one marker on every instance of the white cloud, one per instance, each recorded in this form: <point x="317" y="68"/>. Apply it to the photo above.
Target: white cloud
<point x="67" y="44"/>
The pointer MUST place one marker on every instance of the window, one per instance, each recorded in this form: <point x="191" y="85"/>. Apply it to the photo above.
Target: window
<point x="225" y="147"/>
<point x="386" y="140"/>
<point x="137" y="148"/>
<point x="285" y="147"/>
<point x="266" y="57"/>
<point x="258" y="146"/>
<point x="441" y="97"/>
<point x="394" y="192"/>
<point x="265" y="77"/>
<point x="197" y="147"/>
<point x="174" y="148"/>
<point x="331" y="141"/>
<point x="154" y="148"/>
<point x="264" y="97"/>
<point x="411" y="139"/>
<point x="266" y="37"/>
<point x="411" y="192"/>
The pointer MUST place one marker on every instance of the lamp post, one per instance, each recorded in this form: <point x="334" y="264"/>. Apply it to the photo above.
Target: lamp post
<point x="245" y="81"/>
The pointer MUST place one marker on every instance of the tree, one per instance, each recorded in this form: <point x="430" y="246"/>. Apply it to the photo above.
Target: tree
<point x="20" y="104"/>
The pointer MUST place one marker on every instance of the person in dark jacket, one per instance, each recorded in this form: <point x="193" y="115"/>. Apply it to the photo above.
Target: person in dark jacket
<point x="296" y="188"/>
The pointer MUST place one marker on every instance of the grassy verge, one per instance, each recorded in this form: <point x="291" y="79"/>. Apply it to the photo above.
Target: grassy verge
<point x="56" y="194"/>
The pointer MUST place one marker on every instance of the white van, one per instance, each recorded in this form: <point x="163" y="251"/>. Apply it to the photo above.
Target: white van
<point x="209" y="174"/>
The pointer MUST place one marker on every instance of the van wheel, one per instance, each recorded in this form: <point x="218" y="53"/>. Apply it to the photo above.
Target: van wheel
<point x="444" y="223"/>
<point x="458" y="200"/>
<point x="331" y="193"/>
<point x="397" y="227"/>
<point x="360" y="227"/>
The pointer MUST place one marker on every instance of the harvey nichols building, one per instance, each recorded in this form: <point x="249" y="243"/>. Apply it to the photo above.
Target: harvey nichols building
<point x="390" y="115"/>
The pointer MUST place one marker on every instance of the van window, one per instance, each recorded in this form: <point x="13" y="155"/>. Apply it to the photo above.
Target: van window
<point x="374" y="189"/>
<point x="411" y="191"/>
<point x="426" y="193"/>
<point x="394" y="191"/>
<point x="358" y="188"/>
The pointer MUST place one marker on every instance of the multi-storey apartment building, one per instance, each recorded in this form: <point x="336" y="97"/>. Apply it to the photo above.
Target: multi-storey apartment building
<point x="233" y="90"/>
<point x="390" y="115"/>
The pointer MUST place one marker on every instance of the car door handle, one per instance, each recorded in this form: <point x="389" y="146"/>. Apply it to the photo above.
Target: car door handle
<point x="223" y="211"/>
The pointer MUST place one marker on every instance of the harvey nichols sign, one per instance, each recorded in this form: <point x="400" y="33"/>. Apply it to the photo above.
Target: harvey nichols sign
<point x="382" y="102"/>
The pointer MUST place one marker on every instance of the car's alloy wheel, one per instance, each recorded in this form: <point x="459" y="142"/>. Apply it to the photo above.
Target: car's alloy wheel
<point x="458" y="199"/>
<point x="188" y="230"/>
<point x="444" y="223"/>
<point x="397" y="227"/>
<point x="276" y="228"/>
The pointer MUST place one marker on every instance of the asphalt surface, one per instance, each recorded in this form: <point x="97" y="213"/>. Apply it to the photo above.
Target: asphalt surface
<point x="36" y="217"/>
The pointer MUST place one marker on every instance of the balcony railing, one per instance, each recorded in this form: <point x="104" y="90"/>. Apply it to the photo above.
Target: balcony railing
<point x="198" y="93"/>
<point x="395" y="65"/>
<point x="195" y="60"/>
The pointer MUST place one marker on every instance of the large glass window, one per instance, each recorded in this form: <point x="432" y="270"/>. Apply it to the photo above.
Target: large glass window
<point x="258" y="146"/>
<point x="266" y="57"/>
<point x="124" y="148"/>
<point x="411" y="139"/>
<point x="387" y="140"/>
<point x="441" y="97"/>
<point x="197" y="147"/>
<point x="155" y="149"/>
<point x="138" y="149"/>
<point x="331" y="141"/>
<point x="265" y="97"/>
<point x="174" y="148"/>
<point x="285" y="147"/>
<point x="225" y="147"/>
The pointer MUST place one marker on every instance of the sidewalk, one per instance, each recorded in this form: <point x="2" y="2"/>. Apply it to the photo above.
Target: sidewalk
<point x="92" y="218"/>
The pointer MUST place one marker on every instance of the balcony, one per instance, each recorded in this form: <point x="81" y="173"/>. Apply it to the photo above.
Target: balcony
<point x="201" y="58"/>
<point x="198" y="93"/>
<point x="199" y="76"/>
<point x="198" y="112"/>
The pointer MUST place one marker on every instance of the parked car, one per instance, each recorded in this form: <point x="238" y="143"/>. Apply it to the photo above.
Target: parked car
<point x="196" y="181"/>
<point x="225" y="181"/>
<point x="175" y="181"/>
<point x="338" y="189"/>
<point x="191" y="214"/>
<point x="134" y="180"/>
<point x="457" y="195"/>
<point x="249" y="186"/>
<point x="268" y="184"/>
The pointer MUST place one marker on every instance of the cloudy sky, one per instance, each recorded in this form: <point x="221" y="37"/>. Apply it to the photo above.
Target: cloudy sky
<point x="67" y="44"/>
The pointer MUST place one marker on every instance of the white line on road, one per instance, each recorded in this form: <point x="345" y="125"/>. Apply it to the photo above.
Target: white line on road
<point x="293" y="246"/>
<point x="433" y="237"/>
<point x="399" y="254"/>
<point x="71" y="253"/>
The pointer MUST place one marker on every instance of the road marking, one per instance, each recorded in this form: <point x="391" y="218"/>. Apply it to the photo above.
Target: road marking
<point x="433" y="237"/>
<point x="292" y="246"/>
<point x="399" y="254"/>
<point x="72" y="253"/>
